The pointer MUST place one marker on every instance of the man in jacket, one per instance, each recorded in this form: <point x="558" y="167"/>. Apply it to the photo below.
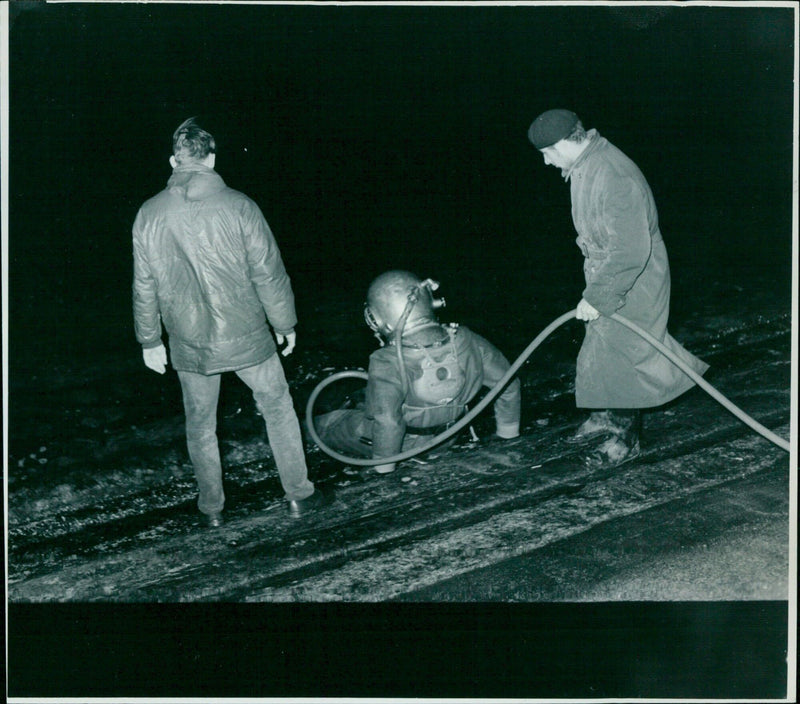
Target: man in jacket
<point x="207" y="266"/>
<point x="627" y="272"/>
<point x="418" y="394"/>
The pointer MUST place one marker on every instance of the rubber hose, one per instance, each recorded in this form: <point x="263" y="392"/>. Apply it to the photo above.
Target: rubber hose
<point x="703" y="384"/>
<point x="498" y="388"/>
<point x="438" y="439"/>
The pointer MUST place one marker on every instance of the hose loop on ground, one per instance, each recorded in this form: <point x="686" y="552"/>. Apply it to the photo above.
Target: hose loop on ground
<point x="498" y="388"/>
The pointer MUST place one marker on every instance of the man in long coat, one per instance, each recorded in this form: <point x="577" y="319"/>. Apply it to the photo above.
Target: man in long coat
<point x="627" y="272"/>
<point x="206" y="265"/>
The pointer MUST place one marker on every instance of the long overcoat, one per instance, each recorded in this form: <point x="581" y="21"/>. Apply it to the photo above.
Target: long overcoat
<point x="206" y="263"/>
<point x="627" y="272"/>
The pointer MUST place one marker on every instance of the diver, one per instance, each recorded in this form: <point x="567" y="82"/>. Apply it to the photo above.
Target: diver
<point x="421" y="378"/>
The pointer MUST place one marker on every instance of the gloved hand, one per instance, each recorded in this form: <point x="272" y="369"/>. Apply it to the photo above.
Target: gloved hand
<point x="290" y="338"/>
<point x="508" y="431"/>
<point x="586" y="311"/>
<point x="155" y="358"/>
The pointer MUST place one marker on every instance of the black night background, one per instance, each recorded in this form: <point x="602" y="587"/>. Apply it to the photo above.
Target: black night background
<point x="372" y="138"/>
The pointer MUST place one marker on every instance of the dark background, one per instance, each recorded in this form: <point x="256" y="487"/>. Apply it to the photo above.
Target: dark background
<point x="376" y="137"/>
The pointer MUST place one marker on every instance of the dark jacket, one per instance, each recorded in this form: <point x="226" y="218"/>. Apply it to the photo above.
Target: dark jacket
<point x="392" y="411"/>
<point x="206" y="264"/>
<point x="627" y="272"/>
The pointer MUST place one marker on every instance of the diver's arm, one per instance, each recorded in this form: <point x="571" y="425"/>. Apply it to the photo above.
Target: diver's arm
<point x="508" y="404"/>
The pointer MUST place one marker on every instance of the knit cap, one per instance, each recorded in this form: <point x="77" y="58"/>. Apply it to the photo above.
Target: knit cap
<point x="551" y="126"/>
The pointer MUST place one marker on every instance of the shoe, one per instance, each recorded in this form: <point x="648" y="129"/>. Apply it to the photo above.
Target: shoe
<point x="612" y="453"/>
<point x="300" y="507"/>
<point x="213" y="520"/>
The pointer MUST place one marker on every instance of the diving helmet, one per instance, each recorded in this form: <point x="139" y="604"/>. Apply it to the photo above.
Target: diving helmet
<point x="399" y="298"/>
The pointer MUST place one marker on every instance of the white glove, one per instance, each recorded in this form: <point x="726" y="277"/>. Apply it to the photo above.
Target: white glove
<point x="155" y="358"/>
<point x="290" y="338"/>
<point x="586" y="311"/>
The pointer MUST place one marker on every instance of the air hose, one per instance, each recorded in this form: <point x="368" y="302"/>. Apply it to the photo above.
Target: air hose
<point x="498" y="388"/>
<point x="703" y="384"/>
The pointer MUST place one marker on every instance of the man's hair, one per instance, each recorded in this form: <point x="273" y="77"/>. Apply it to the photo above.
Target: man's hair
<point x="578" y="133"/>
<point x="190" y="142"/>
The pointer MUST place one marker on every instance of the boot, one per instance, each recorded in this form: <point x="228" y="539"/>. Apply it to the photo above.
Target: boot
<point x="598" y="423"/>
<point x="623" y="445"/>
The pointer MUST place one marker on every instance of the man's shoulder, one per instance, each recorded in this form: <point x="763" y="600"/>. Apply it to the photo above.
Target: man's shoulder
<point x="233" y="196"/>
<point x="240" y="202"/>
<point x="383" y="361"/>
<point x="614" y="159"/>
<point x="383" y="355"/>
<point x="464" y="333"/>
<point x="159" y="200"/>
<point x="470" y="337"/>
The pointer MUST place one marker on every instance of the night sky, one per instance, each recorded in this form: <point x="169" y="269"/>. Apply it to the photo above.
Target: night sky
<point x="385" y="136"/>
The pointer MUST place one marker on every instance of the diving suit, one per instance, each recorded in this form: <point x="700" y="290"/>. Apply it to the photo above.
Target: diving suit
<point x="420" y="380"/>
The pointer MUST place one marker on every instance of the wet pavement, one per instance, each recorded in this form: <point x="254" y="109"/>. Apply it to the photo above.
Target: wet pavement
<point x="484" y="509"/>
<point x="725" y="542"/>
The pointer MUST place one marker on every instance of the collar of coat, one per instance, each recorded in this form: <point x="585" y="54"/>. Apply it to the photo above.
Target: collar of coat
<point x="195" y="181"/>
<point x="595" y="141"/>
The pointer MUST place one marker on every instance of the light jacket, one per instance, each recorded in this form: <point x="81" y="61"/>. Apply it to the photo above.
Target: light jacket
<point x="627" y="271"/>
<point x="206" y="264"/>
<point x="392" y="411"/>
